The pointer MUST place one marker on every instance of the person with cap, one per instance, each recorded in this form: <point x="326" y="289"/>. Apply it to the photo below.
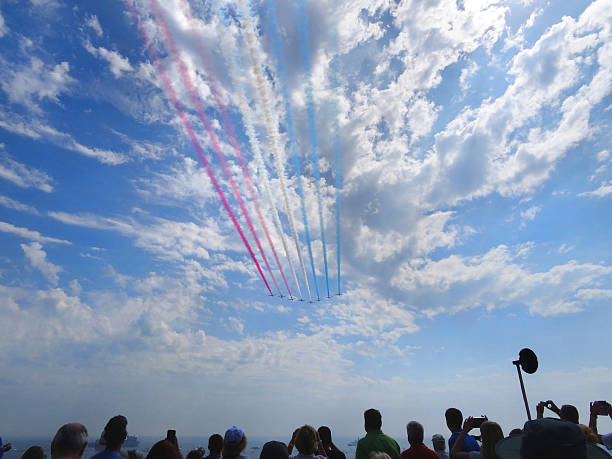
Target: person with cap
<point x="113" y="436"/>
<point x="439" y="445"/>
<point x="600" y="408"/>
<point x="375" y="439"/>
<point x="550" y="438"/>
<point x="69" y="442"/>
<point x="566" y="412"/>
<point x="234" y="443"/>
<point x="331" y="450"/>
<point x="454" y="420"/>
<point x="417" y="449"/>
<point x="215" y="446"/>
<point x="274" y="450"/>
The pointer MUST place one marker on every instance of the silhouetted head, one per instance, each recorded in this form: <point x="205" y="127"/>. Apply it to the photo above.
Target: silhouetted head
<point x="569" y="413"/>
<point x="306" y="440"/>
<point x="195" y="454"/>
<point x="438" y="442"/>
<point x="234" y="442"/>
<point x="551" y="438"/>
<point x="372" y="420"/>
<point x="454" y="419"/>
<point x="415" y="433"/>
<point x="115" y="433"/>
<point x="164" y="449"/>
<point x="215" y="444"/>
<point x="34" y="452"/>
<point x="325" y="435"/>
<point x="70" y="441"/>
<point x="514" y="432"/>
<point x="490" y="434"/>
<point x="274" y="450"/>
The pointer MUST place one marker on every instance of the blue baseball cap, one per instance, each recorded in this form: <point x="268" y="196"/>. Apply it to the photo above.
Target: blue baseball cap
<point x="233" y="435"/>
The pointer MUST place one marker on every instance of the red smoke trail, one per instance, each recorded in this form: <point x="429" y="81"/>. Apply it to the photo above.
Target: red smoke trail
<point x="195" y="99"/>
<point x="229" y="126"/>
<point x="179" y="108"/>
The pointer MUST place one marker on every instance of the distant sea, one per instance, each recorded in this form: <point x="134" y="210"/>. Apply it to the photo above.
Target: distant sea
<point x="186" y="444"/>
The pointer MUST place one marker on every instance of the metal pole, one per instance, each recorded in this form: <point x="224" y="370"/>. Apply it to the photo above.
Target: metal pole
<point x="518" y="368"/>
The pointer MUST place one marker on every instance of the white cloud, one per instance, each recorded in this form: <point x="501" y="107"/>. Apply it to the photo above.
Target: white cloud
<point x="497" y="279"/>
<point x="37" y="129"/>
<point x="467" y="73"/>
<point x="38" y="259"/>
<point x="22" y="175"/>
<point x="94" y="24"/>
<point x="16" y="205"/>
<point x="604" y="190"/>
<point x="29" y="234"/>
<point x="170" y="240"/>
<point x="529" y="214"/>
<point x="33" y="83"/>
<point x="3" y="28"/>
<point x="603" y="155"/>
<point x="117" y="63"/>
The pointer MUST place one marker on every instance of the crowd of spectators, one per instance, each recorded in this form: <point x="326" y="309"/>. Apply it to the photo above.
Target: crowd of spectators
<point x="543" y="438"/>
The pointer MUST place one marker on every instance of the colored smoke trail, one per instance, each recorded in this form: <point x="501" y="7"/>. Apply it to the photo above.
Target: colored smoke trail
<point x="195" y="99"/>
<point x="181" y="112"/>
<point x="229" y="127"/>
<point x="333" y="76"/>
<point x="234" y="63"/>
<point x="312" y="127"/>
<point x="291" y="130"/>
<point x="271" y="127"/>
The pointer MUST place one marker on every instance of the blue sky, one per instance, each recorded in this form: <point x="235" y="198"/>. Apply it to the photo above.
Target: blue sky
<point x="476" y="188"/>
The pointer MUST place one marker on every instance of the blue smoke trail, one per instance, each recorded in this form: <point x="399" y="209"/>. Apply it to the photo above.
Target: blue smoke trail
<point x="333" y="77"/>
<point x="282" y="73"/>
<point x="312" y="127"/>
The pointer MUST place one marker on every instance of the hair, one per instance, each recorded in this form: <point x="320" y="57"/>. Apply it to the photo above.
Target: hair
<point x="454" y="418"/>
<point x="215" y="444"/>
<point x="306" y="440"/>
<point x="569" y="413"/>
<point x="379" y="455"/>
<point x="514" y="432"/>
<point x="164" y="449"/>
<point x="195" y="454"/>
<point x="438" y="442"/>
<point x="33" y="452"/>
<point x="232" y="449"/>
<point x="589" y="434"/>
<point x="373" y="419"/>
<point x="415" y="433"/>
<point x="325" y="435"/>
<point x="274" y="450"/>
<point x="70" y="439"/>
<point x="115" y="432"/>
<point x="490" y="433"/>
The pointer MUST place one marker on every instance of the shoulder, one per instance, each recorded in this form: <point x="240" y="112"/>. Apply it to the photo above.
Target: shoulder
<point x="475" y="455"/>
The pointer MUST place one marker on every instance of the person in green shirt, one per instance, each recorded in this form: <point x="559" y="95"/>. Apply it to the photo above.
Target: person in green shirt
<point x="375" y="440"/>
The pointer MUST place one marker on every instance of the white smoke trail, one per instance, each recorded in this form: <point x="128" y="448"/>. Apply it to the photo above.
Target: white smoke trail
<point x="270" y="126"/>
<point x="232" y="60"/>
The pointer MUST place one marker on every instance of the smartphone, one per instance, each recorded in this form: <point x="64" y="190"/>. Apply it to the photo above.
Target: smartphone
<point x="171" y="436"/>
<point x="477" y="422"/>
<point x="603" y="407"/>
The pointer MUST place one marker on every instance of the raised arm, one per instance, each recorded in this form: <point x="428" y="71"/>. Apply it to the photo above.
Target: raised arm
<point x="456" y="452"/>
